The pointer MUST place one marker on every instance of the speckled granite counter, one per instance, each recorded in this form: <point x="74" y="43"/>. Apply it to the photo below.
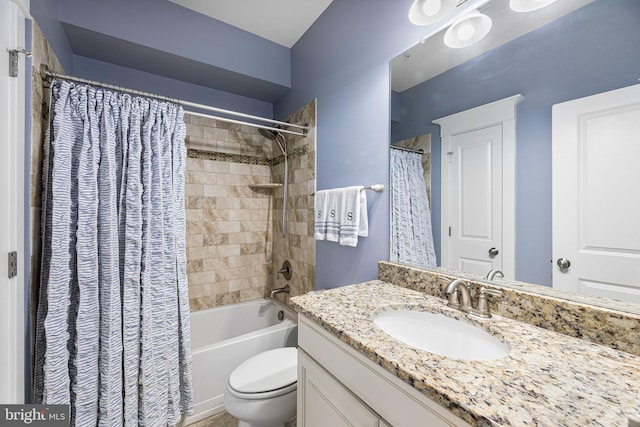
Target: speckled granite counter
<point x="548" y="379"/>
<point x="579" y="316"/>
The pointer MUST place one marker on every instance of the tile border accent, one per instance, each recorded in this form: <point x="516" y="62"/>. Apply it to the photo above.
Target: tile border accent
<point x="227" y="157"/>
<point x="193" y="153"/>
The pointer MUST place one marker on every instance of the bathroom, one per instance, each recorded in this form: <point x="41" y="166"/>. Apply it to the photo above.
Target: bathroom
<point x="335" y="78"/>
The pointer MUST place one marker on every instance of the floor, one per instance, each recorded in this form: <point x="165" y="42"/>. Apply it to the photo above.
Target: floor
<point x="223" y="419"/>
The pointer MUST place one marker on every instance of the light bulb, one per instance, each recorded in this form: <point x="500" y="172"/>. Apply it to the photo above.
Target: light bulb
<point x="465" y="31"/>
<point x="431" y="7"/>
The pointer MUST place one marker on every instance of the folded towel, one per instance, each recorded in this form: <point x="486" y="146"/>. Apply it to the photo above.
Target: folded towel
<point x="326" y="226"/>
<point x="341" y="215"/>
<point x="350" y="210"/>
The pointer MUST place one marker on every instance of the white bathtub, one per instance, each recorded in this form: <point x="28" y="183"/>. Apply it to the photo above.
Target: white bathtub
<point x="224" y="337"/>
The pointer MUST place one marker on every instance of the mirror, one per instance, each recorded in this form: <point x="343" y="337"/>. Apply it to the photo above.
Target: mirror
<point x="568" y="50"/>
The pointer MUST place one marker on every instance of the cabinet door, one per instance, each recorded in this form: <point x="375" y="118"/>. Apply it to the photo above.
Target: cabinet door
<point x="323" y="401"/>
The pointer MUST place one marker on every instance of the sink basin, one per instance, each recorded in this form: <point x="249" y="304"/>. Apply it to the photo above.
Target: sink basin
<point x="442" y="335"/>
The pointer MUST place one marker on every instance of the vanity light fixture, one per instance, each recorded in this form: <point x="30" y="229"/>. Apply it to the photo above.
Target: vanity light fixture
<point x="528" y="5"/>
<point x="425" y="12"/>
<point x="468" y="30"/>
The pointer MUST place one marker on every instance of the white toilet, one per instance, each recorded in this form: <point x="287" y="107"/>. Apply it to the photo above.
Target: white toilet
<point x="261" y="392"/>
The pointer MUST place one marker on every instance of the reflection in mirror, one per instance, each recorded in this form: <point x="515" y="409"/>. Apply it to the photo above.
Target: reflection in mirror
<point x="568" y="50"/>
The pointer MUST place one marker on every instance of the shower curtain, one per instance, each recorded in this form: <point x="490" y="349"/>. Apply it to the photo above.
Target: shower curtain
<point x="411" y="235"/>
<point x="112" y="330"/>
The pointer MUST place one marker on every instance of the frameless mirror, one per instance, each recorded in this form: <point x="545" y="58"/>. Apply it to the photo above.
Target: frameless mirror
<point x="566" y="51"/>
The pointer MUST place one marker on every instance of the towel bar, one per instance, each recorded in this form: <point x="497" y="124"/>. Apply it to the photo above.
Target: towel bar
<point x="378" y="188"/>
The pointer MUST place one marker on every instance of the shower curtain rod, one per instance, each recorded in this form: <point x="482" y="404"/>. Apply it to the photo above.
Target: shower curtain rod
<point x="420" y="151"/>
<point x="46" y="74"/>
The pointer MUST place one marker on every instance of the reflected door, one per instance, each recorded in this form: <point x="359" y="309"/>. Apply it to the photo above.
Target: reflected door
<point x="596" y="195"/>
<point x="475" y="200"/>
<point x="478" y="188"/>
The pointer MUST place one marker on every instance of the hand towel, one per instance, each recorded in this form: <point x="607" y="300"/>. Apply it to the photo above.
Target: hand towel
<point x="326" y="225"/>
<point x="351" y="211"/>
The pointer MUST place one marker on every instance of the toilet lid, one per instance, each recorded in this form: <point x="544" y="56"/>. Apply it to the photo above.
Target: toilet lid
<point x="266" y="371"/>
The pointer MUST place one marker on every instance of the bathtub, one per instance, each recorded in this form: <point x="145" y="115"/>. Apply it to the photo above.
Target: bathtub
<point x="224" y="337"/>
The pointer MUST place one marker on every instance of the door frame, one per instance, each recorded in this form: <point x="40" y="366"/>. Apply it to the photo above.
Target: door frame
<point x="501" y="112"/>
<point x="12" y="192"/>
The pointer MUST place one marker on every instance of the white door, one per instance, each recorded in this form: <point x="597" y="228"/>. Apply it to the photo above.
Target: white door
<point x="478" y="188"/>
<point x="12" y="109"/>
<point x="475" y="233"/>
<point x="596" y="194"/>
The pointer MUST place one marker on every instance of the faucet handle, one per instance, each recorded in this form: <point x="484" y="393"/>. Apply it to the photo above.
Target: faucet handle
<point x="483" y="307"/>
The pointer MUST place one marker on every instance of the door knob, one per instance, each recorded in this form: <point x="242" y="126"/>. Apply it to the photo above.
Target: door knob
<point x="563" y="263"/>
<point x="493" y="252"/>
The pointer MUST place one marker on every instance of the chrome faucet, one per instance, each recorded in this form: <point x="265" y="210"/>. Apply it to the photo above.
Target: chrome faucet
<point x="464" y="302"/>
<point x="493" y="273"/>
<point x="283" y="290"/>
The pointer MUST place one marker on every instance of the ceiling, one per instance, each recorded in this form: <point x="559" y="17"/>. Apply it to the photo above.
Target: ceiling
<point x="281" y="21"/>
<point x="432" y="57"/>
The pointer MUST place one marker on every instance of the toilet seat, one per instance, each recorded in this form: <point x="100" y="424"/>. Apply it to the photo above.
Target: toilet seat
<point x="268" y="374"/>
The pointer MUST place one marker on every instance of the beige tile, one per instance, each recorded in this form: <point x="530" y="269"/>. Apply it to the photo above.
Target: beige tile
<point x="216" y="166"/>
<point x="195" y="164"/>
<point x="194" y="215"/>
<point x="194" y="189"/>
<point x="202" y="278"/>
<point x="240" y="169"/>
<point x="206" y="121"/>
<point x="214" y="190"/>
<point x="199" y="177"/>
<point x="229" y="250"/>
<point x="230" y="227"/>
<point x="195" y="130"/>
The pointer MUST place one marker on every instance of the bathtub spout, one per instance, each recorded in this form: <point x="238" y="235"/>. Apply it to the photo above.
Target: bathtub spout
<point x="284" y="290"/>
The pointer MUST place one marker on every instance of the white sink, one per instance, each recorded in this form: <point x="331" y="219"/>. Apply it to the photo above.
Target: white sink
<point x="442" y="335"/>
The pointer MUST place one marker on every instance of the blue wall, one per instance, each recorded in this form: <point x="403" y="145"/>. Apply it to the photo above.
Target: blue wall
<point x="140" y="80"/>
<point x="592" y="50"/>
<point x="343" y="61"/>
<point x="45" y="13"/>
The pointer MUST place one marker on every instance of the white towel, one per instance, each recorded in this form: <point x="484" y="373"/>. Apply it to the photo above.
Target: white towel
<point x="327" y="226"/>
<point x="341" y="215"/>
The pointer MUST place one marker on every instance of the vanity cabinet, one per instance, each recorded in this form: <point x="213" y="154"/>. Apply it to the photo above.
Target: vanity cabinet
<point x="323" y="401"/>
<point x="338" y="386"/>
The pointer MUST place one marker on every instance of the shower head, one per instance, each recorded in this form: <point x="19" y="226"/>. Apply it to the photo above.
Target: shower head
<point x="276" y="136"/>
<point x="268" y="133"/>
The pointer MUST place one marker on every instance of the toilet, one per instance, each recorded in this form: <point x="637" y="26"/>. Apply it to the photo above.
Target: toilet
<point x="261" y="392"/>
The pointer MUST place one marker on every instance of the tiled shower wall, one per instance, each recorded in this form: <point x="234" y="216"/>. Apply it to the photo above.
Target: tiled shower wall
<point x="228" y="223"/>
<point x="234" y="244"/>
<point x="298" y="245"/>
<point x="42" y="54"/>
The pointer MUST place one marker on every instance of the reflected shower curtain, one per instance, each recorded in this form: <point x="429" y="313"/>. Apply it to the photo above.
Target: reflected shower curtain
<point x="411" y="235"/>
<point x="113" y="328"/>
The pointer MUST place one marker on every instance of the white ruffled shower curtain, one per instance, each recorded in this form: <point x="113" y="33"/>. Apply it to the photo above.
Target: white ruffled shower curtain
<point x="411" y="234"/>
<point x="113" y="328"/>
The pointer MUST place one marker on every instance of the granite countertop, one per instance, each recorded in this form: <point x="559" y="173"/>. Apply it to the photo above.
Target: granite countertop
<point x="548" y="379"/>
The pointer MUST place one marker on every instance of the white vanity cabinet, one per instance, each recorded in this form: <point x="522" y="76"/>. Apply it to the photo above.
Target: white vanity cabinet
<point x="337" y="386"/>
